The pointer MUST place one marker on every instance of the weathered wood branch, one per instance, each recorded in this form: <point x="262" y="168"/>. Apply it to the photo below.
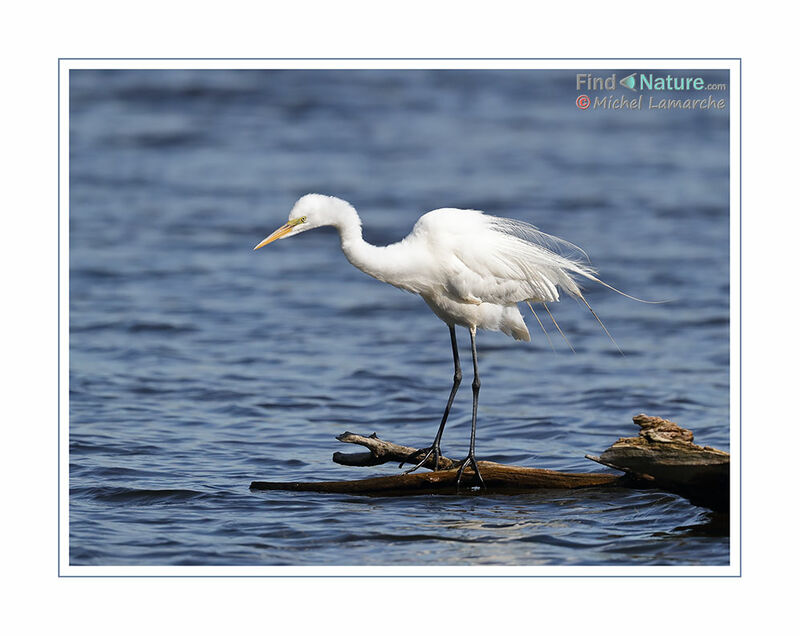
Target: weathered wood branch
<point x="497" y="477"/>
<point x="382" y="452"/>
<point x="662" y="456"/>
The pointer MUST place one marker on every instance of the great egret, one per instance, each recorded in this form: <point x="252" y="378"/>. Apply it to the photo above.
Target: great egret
<point x="470" y="268"/>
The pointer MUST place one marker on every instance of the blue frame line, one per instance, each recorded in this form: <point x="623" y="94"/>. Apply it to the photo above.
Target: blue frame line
<point x="401" y="576"/>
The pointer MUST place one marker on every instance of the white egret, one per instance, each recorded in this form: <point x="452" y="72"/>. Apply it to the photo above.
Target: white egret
<point x="470" y="268"/>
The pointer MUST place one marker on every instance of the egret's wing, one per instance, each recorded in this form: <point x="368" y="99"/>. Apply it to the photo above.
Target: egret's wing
<point x="535" y="237"/>
<point x="507" y="261"/>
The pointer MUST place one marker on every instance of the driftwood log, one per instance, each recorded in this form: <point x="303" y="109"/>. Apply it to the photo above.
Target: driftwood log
<point x="662" y="456"/>
<point x="665" y="456"/>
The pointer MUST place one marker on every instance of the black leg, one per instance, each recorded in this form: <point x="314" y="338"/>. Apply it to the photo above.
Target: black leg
<point x="435" y="449"/>
<point x="476" y="387"/>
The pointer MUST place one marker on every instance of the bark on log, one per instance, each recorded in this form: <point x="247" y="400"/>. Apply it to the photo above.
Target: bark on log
<point x="663" y="456"/>
<point x="498" y="478"/>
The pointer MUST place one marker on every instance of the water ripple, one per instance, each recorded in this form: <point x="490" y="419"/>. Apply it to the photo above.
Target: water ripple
<point x="198" y="365"/>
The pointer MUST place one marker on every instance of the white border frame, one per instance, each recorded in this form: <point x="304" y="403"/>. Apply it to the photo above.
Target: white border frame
<point x="734" y="94"/>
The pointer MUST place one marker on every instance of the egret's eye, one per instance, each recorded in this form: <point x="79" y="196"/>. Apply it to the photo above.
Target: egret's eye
<point x="302" y="219"/>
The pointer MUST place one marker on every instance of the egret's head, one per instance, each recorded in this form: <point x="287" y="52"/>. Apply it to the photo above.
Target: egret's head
<point x="310" y="211"/>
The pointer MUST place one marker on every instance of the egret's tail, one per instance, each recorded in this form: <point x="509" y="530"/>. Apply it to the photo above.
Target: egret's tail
<point x="569" y="344"/>
<point x="591" y="277"/>
<point x="547" y="335"/>
<point x="601" y="322"/>
<point x="621" y="293"/>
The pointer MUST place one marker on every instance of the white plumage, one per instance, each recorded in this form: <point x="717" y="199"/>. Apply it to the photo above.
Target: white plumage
<point x="470" y="268"/>
<point x="478" y="267"/>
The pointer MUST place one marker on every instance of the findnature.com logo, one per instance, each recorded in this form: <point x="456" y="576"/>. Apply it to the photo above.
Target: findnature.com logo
<point x="637" y="82"/>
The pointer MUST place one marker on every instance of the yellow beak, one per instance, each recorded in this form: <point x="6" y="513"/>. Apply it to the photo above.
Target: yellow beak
<point x="280" y="232"/>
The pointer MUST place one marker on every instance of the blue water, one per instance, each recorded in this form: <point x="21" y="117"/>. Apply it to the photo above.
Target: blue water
<point x="198" y="365"/>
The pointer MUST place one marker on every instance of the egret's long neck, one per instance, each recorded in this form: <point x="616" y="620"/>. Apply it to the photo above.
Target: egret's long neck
<point x="370" y="259"/>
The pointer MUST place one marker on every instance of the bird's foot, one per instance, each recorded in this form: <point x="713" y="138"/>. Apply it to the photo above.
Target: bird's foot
<point x="431" y="451"/>
<point x="476" y="475"/>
